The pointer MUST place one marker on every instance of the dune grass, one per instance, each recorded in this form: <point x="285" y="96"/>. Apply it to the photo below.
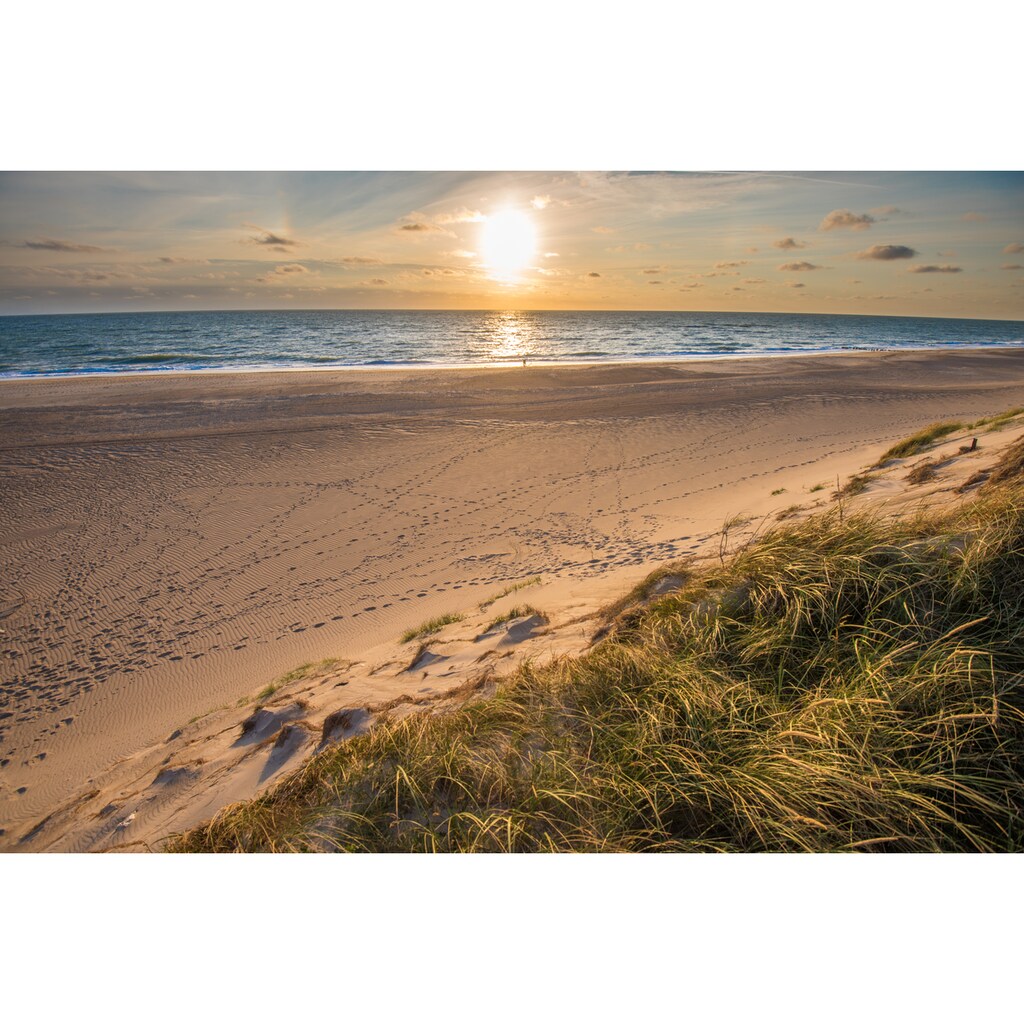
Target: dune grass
<point x="430" y="627"/>
<point x="851" y="683"/>
<point x="533" y="581"/>
<point x="921" y="441"/>
<point x="857" y="484"/>
<point x="521" y="611"/>
<point x="997" y="422"/>
<point x="310" y="668"/>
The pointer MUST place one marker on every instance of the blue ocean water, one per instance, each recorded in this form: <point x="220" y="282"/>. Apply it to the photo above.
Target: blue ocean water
<point x="120" y="342"/>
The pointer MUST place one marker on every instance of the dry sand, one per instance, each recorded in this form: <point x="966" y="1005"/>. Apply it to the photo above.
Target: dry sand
<point x="172" y="543"/>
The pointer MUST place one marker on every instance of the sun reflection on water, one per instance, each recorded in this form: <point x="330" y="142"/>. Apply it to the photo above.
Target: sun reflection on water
<point x="511" y="337"/>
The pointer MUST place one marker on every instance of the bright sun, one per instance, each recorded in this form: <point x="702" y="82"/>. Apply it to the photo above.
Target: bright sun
<point x="508" y="243"/>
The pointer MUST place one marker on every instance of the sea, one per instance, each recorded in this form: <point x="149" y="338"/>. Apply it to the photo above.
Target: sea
<point x="282" y="339"/>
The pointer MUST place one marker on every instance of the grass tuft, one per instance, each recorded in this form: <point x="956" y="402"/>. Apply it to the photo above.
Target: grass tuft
<point x="855" y="485"/>
<point x="847" y="683"/>
<point x="922" y="472"/>
<point x="919" y="442"/>
<point x="310" y="668"/>
<point x="521" y="611"/>
<point x="430" y="627"/>
<point x="511" y="589"/>
<point x="997" y="422"/>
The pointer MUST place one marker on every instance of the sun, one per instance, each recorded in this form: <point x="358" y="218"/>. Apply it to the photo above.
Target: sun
<point x="508" y="243"/>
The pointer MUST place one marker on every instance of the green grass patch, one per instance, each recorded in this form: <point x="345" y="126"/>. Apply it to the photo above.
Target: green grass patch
<point x="844" y="684"/>
<point x="511" y="589"/>
<point x="310" y="668"/>
<point x="921" y="441"/>
<point x="521" y="611"/>
<point x="430" y="627"/>
<point x="997" y="422"/>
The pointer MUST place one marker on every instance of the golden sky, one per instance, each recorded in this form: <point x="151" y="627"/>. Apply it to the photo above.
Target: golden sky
<point x="904" y="243"/>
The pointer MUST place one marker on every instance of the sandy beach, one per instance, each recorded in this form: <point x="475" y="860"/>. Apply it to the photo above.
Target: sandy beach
<point x="173" y="543"/>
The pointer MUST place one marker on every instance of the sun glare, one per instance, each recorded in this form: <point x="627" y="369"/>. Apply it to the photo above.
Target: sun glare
<point x="508" y="243"/>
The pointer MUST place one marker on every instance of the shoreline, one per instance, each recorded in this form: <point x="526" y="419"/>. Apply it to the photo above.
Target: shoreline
<point x="513" y="364"/>
<point x="175" y="547"/>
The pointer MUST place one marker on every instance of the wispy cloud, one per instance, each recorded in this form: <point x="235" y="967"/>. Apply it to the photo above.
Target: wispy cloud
<point x="931" y="268"/>
<point x="801" y="265"/>
<point x="973" y="215"/>
<point x="593" y="273"/>
<point x="887" y="252"/>
<point x="729" y="264"/>
<point x="59" y="245"/>
<point x="839" y="219"/>
<point x="1013" y="247"/>
<point x="1012" y="266"/>
<point x="461" y="216"/>
<point x="789" y="243"/>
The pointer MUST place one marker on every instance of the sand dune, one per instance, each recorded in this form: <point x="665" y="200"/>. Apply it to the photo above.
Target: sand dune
<point x="173" y="543"/>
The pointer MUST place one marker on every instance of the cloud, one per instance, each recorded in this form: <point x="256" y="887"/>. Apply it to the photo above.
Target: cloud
<point x="753" y="280"/>
<point x="789" y="243"/>
<point x="461" y="216"/>
<point x="539" y="202"/>
<point x="752" y="248"/>
<point x="886" y="211"/>
<point x="285" y="270"/>
<point x="635" y="247"/>
<point x="1012" y="266"/>
<point x="58" y="245"/>
<point x="650" y="271"/>
<point x="846" y="219"/>
<point x="602" y="230"/>
<point x="276" y="242"/>
<point x="375" y="280"/>
<point x="973" y="215"/>
<point x="360" y="260"/>
<point x="654" y="282"/>
<point x="796" y="284"/>
<point x="931" y="268"/>
<point x="1013" y="247"/>
<point x="802" y="265"/>
<point x="887" y="252"/>
<point x="593" y="273"/>
<point x="417" y="225"/>
<point x="727" y="266"/>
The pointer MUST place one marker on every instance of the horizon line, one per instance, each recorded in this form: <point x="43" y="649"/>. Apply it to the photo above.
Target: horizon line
<point x="505" y="309"/>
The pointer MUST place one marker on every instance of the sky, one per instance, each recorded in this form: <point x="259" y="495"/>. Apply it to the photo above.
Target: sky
<point x="948" y="244"/>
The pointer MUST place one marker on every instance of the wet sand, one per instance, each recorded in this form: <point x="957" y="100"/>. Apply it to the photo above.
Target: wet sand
<point x="172" y="543"/>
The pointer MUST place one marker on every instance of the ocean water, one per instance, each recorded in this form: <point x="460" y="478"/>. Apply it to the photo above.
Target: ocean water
<point x="123" y="342"/>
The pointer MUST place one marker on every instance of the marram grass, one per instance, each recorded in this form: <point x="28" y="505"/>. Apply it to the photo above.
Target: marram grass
<point x="845" y="684"/>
